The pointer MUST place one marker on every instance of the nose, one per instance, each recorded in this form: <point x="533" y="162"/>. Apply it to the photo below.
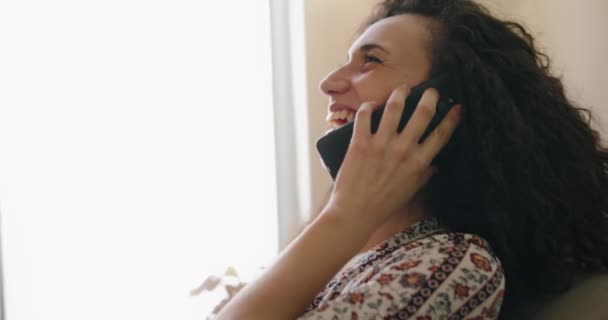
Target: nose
<point x="336" y="82"/>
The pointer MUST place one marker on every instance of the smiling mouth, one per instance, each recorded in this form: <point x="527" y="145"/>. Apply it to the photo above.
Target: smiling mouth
<point x="340" y="118"/>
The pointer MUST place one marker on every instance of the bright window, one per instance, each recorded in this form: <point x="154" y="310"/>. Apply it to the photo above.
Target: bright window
<point x="136" y="154"/>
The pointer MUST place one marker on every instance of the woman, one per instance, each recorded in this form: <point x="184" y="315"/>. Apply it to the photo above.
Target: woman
<point x="516" y="211"/>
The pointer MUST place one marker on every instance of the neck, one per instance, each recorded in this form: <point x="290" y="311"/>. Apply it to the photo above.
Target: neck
<point x="397" y="222"/>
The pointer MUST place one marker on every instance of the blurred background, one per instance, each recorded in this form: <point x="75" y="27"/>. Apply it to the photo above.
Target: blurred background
<point x="146" y="145"/>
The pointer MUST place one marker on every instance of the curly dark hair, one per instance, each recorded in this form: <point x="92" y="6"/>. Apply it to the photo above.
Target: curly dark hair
<point x="528" y="172"/>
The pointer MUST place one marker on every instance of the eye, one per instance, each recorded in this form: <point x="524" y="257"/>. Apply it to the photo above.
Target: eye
<point x="371" y="59"/>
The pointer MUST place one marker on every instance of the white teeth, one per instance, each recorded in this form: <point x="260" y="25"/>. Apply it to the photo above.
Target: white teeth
<point x="341" y="114"/>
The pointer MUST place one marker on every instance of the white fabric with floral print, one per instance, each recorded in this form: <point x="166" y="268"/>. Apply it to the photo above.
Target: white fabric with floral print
<point x="425" y="272"/>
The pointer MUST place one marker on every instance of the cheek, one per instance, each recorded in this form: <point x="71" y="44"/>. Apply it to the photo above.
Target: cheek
<point x="370" y="87"/>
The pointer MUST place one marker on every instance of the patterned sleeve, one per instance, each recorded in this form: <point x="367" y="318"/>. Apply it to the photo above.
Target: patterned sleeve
<point x="451" y="276"/>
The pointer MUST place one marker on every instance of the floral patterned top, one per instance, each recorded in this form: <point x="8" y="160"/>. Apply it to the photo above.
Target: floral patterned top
<point x="425" y="272"/>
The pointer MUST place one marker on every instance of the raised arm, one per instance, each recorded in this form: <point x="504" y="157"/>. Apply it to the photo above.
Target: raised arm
<point x="380" y="174"/>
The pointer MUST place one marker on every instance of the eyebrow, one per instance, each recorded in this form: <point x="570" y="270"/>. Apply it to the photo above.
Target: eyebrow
<point x="369" y="47"/>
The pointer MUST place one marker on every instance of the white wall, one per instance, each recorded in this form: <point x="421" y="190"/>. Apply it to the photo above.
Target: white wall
<point x="330" y="28"/>
<point x="572" y="33"/>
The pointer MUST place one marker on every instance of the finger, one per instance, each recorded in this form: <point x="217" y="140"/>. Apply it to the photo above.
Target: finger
<point x="440" y="136"/>
<point x="392" y="112"/>
<point x="362" y="123"/>
<point x="422" y="116"/>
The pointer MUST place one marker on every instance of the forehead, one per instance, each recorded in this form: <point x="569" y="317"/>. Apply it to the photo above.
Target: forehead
<point x="401" y="35"/>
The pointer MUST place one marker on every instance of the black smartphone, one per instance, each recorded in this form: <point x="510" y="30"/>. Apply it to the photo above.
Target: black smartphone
<point x="332" y="146"/>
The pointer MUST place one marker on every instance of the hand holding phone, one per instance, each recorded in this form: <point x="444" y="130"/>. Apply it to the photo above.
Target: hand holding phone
<point x="333" y="146"/>
<point x="383" y="171"/>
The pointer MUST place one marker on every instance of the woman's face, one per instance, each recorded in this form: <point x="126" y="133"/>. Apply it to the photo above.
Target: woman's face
<point x="391" y="52"/>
